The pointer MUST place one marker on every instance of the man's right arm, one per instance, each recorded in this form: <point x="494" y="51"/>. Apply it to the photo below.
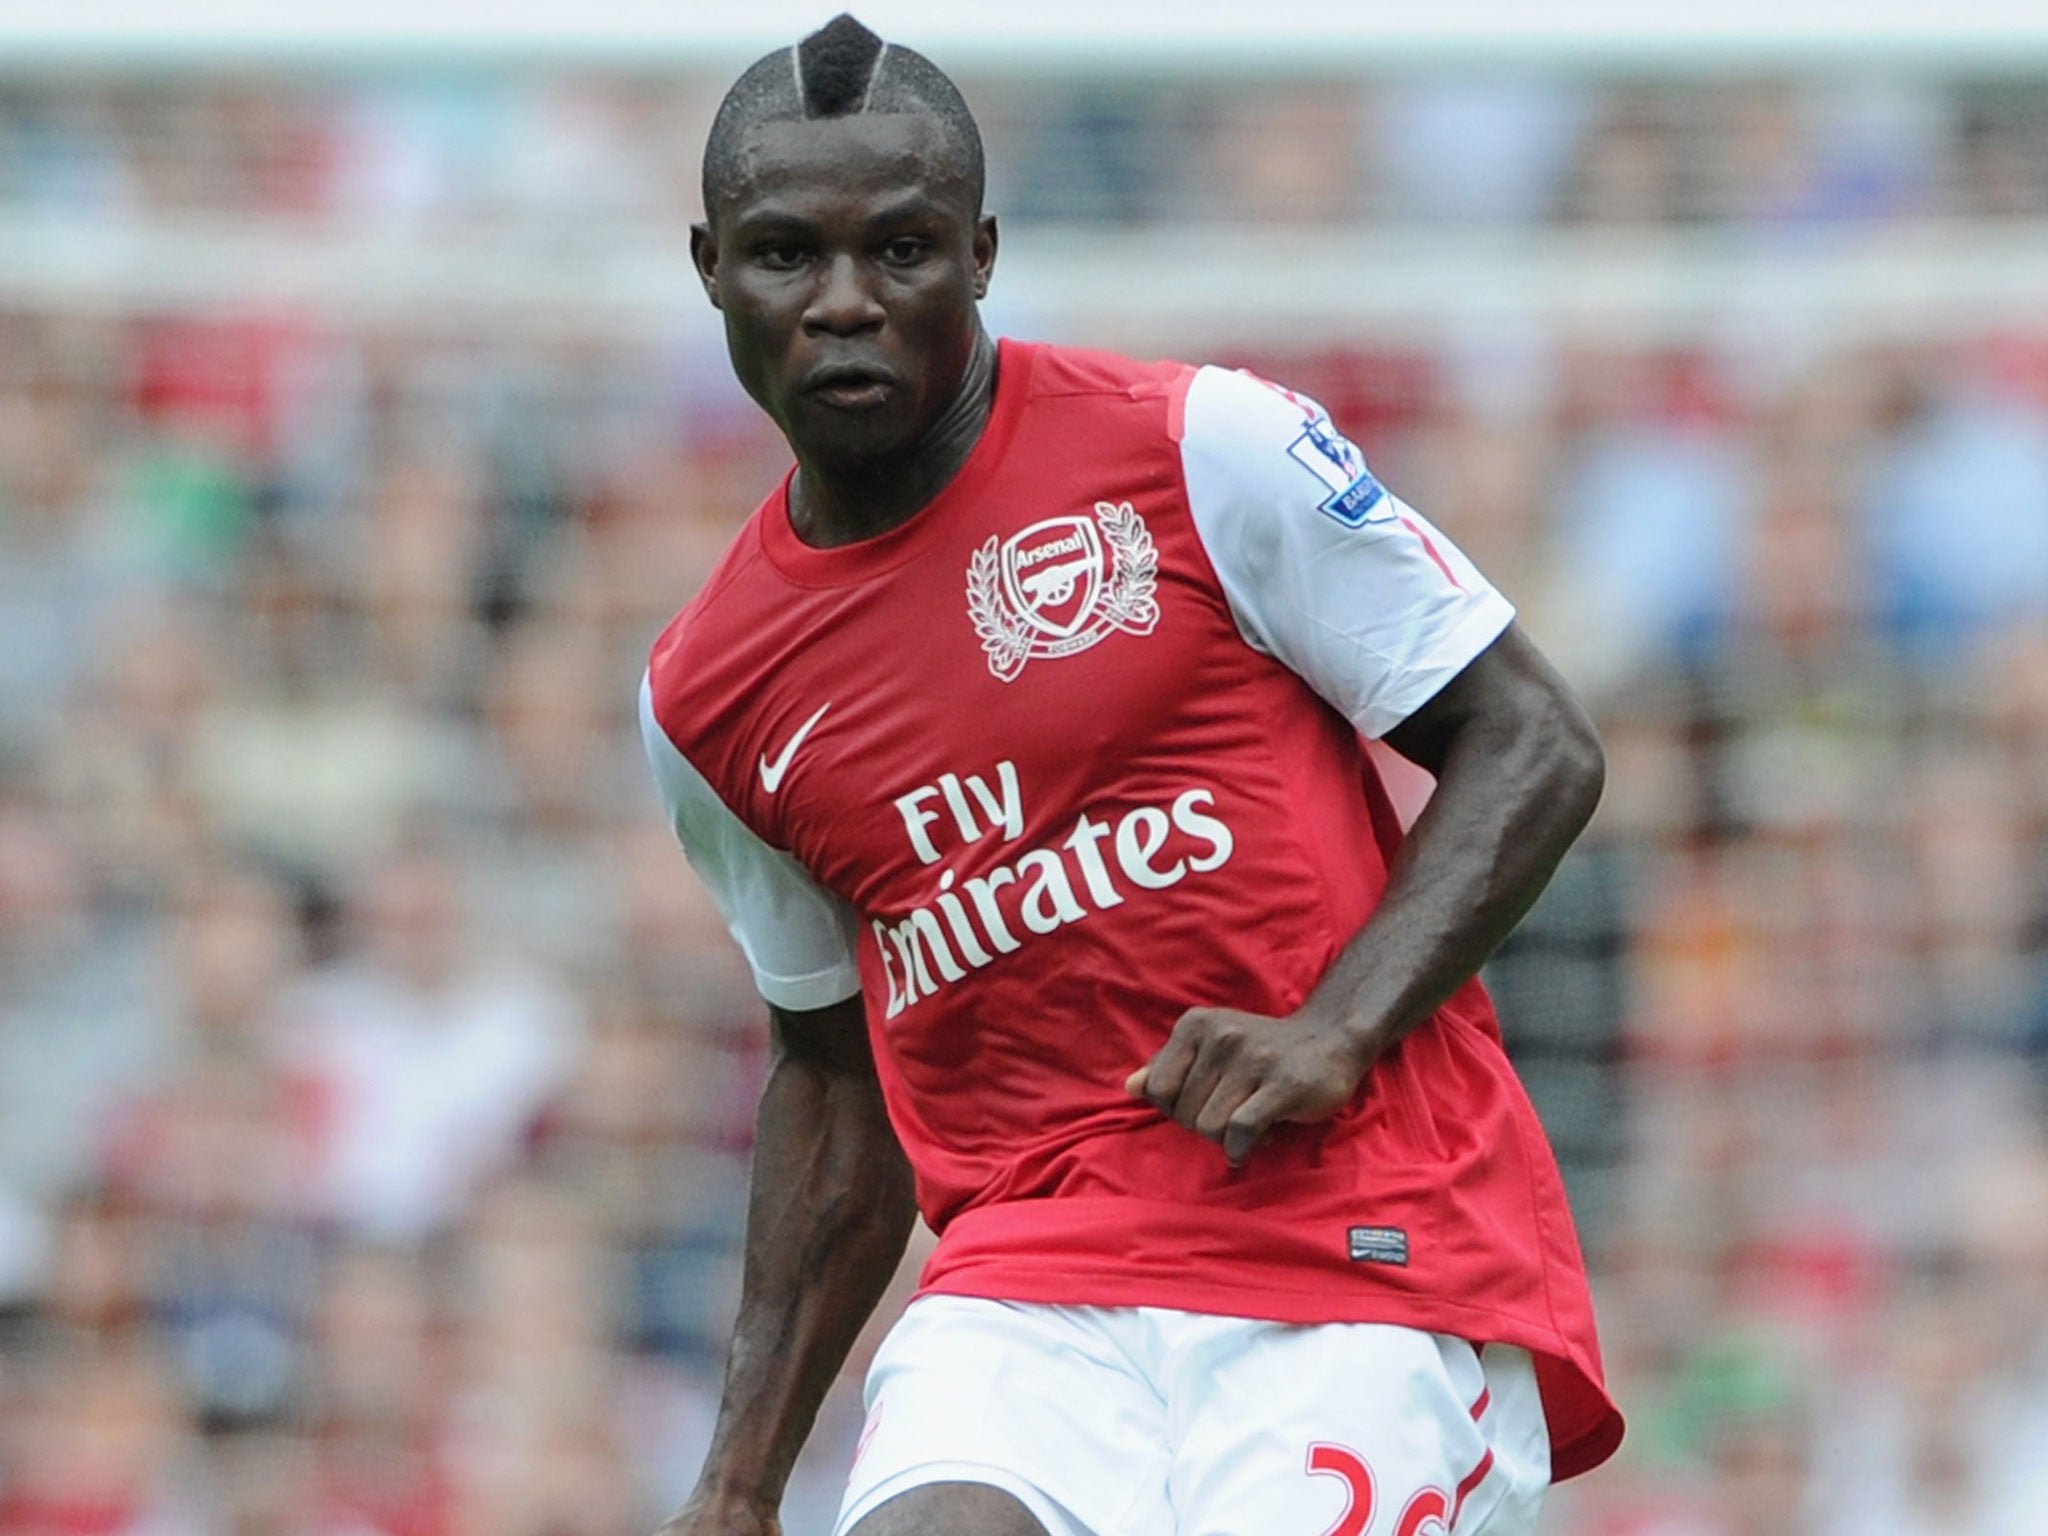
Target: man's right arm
<point x="829" y="1214"/>
<point x="832" y="1201"/>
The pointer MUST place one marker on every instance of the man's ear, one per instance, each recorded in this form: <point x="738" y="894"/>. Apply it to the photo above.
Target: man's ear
<point x="985" y="242"/>
<point x="704" y="257"/>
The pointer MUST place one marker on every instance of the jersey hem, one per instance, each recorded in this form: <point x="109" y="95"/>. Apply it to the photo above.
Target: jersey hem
<point x="798" y="994"/>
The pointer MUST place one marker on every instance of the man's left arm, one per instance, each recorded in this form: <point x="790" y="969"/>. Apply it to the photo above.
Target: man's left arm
<point x="1519" y="770"/>
<point x="1388" y="622"/>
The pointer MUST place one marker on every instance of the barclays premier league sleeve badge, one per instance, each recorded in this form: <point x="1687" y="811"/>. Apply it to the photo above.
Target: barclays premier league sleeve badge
<point x="1355" y="498"/>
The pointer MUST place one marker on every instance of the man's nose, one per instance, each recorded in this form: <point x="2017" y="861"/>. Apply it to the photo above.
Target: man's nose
<point x="843" y="302"/>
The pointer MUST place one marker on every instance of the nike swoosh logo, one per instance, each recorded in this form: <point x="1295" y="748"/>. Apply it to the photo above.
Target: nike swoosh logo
<point x="771" y="773"/>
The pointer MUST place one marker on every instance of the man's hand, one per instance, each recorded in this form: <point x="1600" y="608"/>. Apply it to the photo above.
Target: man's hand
<point x="716" y="1514"/>
<point x="1232" y="1077"/>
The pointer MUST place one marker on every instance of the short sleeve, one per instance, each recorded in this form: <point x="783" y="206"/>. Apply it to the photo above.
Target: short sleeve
<point x="800" y="939"/>
<point x="1325" y="569"/>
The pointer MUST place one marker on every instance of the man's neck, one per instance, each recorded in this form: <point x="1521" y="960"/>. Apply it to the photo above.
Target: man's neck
<point x="831" y="505"/>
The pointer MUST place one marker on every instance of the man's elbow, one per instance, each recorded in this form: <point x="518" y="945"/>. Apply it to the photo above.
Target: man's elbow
<point x="1574" y="769"/>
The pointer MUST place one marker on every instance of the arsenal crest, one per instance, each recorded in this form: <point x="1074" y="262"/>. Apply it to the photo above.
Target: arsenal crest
<point x="1059" y="586"/>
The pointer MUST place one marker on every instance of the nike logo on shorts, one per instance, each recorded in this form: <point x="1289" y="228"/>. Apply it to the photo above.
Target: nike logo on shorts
<point x="771" y="773"/>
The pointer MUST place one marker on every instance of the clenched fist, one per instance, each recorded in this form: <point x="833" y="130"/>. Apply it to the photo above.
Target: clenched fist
<point x="1232" y="1076"/>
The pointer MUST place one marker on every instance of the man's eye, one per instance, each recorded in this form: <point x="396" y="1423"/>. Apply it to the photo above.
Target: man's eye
<point x="905" y="250"/>
<point x="781" y="258"/>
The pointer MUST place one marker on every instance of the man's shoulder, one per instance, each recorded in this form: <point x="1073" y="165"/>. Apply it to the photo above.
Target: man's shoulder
<point x="1061" y="372"/>
<point x="1225" y="408"/>
<point x="1092" y="404"/>
<point x="727" y="604"/>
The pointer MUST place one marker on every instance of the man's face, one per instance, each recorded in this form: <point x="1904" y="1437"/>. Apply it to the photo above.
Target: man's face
<point x="847" y="260"/>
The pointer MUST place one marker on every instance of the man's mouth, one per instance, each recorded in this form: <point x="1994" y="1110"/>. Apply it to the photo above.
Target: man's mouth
<point x="849" y="386"/>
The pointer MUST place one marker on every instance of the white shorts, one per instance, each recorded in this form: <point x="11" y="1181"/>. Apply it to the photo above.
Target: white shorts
<point x="1110" y="1421"/>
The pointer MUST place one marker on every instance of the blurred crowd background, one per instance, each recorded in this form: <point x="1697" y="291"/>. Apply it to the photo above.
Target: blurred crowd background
<point x="376" y="1084"/>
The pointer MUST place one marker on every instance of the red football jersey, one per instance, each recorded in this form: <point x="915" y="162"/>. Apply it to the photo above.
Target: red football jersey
<point x="1077" y="748"/>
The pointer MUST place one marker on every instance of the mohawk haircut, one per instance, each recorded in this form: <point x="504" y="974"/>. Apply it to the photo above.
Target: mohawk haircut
<point x="839" y="70"/>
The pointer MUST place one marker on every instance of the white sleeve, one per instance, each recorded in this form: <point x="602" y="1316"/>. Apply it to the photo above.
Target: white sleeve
<point x="1326" y="570"/>
<point x="800" y="939"/>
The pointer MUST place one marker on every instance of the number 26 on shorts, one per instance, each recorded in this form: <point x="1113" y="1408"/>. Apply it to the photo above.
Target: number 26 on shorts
<point x="1426" y="1514"/>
